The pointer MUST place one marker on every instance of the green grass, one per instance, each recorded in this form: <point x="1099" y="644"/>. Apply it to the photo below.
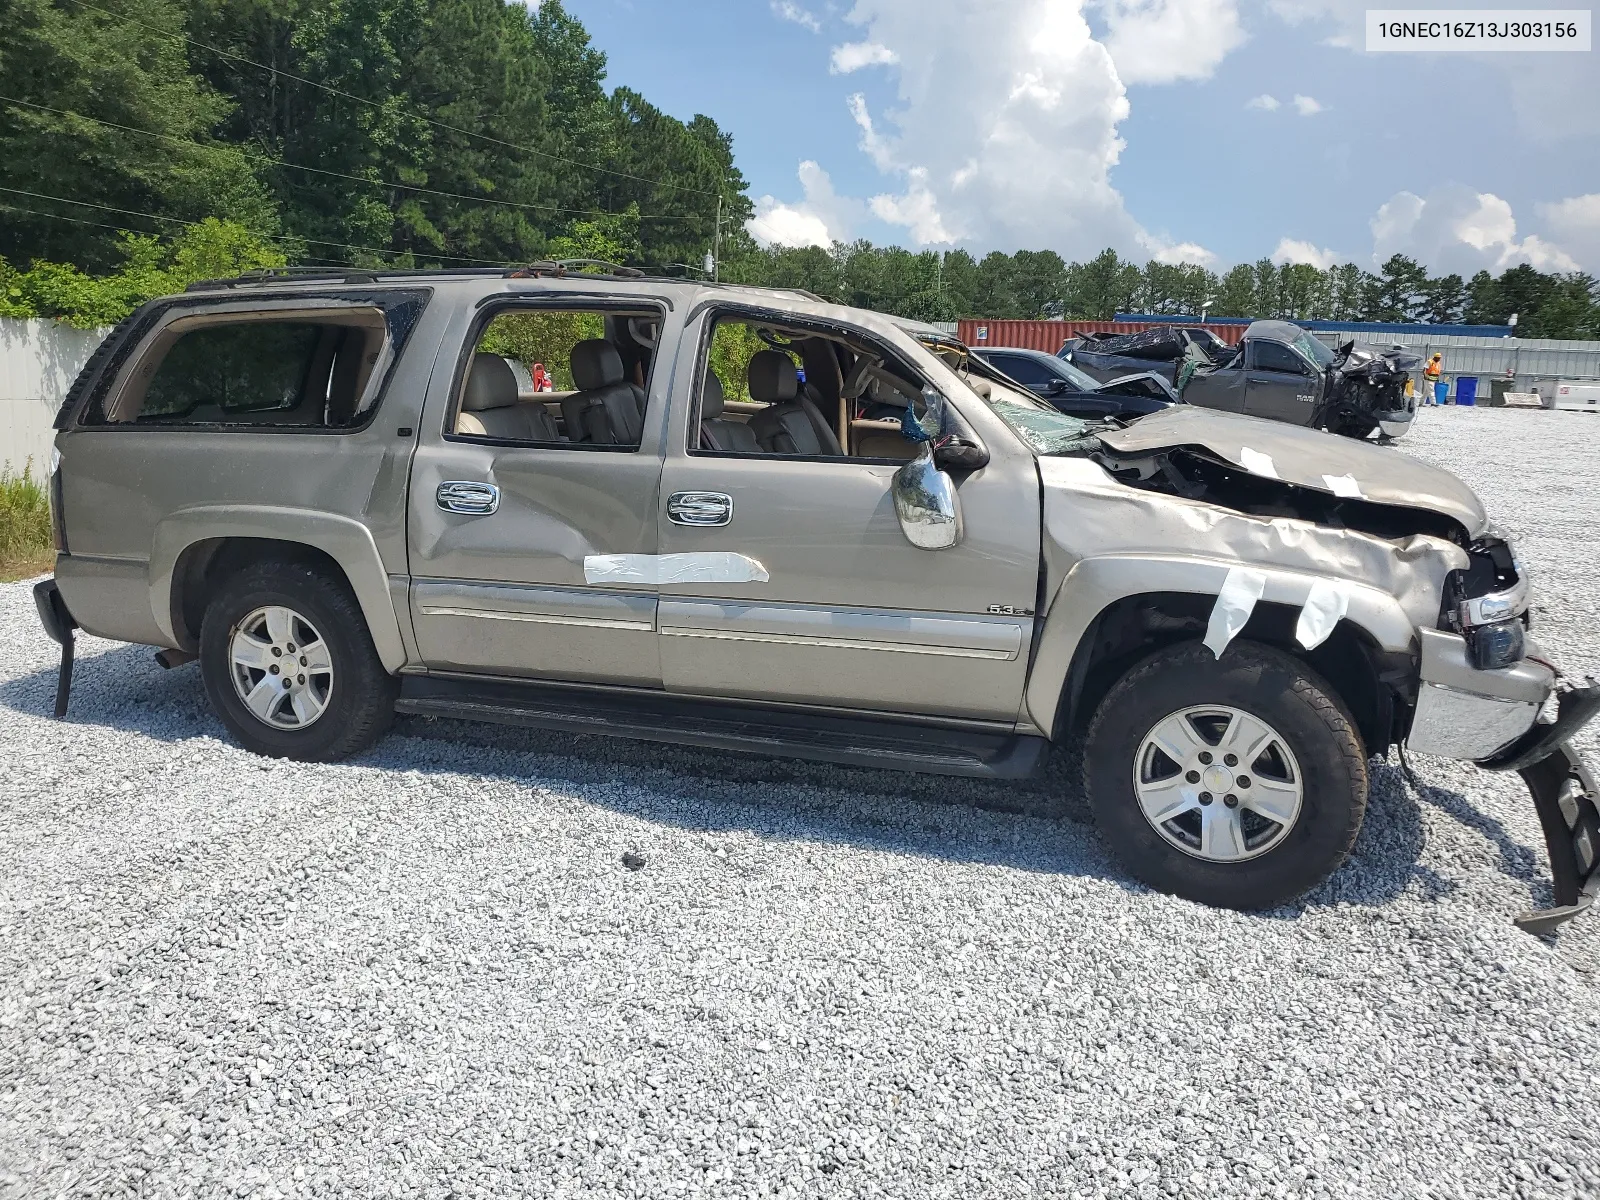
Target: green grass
<point x="26" y="546"/>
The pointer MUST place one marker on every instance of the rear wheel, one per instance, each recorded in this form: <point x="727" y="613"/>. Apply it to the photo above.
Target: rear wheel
<point x="289" y="666"/>
<point x="1240" y="783"/>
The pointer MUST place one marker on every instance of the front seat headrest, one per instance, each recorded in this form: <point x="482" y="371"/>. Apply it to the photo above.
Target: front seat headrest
<point x="711" y="397"/>
<point x="596" y="364"/>
<point x="490" y="384"/>
<point x="772" y="378"/>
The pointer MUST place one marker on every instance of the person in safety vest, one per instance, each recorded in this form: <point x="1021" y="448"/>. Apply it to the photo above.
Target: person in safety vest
<point x="1432" y="375"/>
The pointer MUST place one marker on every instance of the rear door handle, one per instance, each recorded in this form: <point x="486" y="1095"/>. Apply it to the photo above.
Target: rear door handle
<point x="464" y="496"/>
<point x="701" y="509"/>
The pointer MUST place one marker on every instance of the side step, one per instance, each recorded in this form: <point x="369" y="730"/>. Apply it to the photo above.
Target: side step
<point x="690" y="721"/>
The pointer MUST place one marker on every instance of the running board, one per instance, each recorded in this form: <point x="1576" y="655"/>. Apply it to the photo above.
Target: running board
<point x="690" y="721"/>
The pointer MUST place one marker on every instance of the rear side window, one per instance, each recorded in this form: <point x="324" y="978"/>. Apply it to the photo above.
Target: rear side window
<point x="239" y="371"/>
<point x="322" y="367"/>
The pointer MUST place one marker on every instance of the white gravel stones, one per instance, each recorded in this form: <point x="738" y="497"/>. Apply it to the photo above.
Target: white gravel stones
<point x="429" y="973"/>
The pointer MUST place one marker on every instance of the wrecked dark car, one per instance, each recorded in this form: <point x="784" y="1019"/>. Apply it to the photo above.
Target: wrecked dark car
<point x="1159" y="351"/>
<point x="1280" y="372"/>
<point x="1078" y="394"/>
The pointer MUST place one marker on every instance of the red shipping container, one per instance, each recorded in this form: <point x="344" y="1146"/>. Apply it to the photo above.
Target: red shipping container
<point x="1048" y="335"/>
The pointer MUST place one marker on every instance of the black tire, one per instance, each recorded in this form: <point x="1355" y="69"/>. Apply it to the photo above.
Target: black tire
<point x="359" y="704"/>
<point x="1275" y="688"/>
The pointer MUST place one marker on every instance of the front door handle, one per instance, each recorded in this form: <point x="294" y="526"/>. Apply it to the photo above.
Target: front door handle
<point x="463" y="496"/>
<point x="701" y="509"/>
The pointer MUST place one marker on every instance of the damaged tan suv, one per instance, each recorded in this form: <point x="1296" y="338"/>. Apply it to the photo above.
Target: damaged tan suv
<point x="748" y="519"/>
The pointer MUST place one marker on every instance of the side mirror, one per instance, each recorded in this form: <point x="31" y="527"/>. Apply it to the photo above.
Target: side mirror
<point x="1054" y="386"/>
<point x="925" y="500"/>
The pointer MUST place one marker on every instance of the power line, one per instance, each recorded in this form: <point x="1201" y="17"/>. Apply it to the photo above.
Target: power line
<point x="281" y="237"/>
<point x="340" y="174"/>
<point x="571" y="162"/>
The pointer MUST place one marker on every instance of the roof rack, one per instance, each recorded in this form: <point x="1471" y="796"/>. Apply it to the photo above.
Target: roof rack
<point x="559" y="267"/>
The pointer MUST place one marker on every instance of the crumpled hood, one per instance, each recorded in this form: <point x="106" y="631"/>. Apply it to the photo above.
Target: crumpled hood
<point x="1306" y="458"/>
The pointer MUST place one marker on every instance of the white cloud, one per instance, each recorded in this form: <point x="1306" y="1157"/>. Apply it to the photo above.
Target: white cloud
<point x="1003" y="131"/>
<point x="917" y="210"/>
<point x="852" y="56"/>
<point x="1177" y="253"/>
<point x="1456" y="228"/>
<point x="788" y="11"/>
<point x="1575" y="224"/>
<point x="1161" y="41"/>
<point x="820" y="219"/>
<point x="1264" y="102"/>
<point x="1292" y="250"/>
<point x="1306" y="106"/>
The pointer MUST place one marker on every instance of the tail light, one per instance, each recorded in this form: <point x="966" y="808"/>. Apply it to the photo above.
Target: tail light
<point x="58" y="524"/>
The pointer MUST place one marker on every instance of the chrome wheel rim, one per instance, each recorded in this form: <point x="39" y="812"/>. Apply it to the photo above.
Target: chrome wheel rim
<point x="1218" y="783"/>
<point x="281" y="667"/>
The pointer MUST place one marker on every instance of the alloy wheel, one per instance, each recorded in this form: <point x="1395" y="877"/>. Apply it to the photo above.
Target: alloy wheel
<point x="1218" y="783"/>
<point x="281" y="668"/>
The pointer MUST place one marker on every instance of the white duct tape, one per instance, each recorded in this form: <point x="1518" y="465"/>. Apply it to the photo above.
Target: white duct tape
<point x="1325" y="606"/>
<point x="656" y="569"/>
<point x="1258" y="463"/>
<point x="1344" y="485"/>
<point x="1235" y="602"/>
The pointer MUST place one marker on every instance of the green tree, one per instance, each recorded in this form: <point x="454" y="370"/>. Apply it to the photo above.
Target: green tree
<point x="1236" y="293"/>
<point x="142" y="140"/>
<point x="1400" y="291"/>
<point x="1102" y="287"/>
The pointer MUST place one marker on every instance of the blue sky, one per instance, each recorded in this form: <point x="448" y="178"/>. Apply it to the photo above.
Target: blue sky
<point x="995" y="124"/>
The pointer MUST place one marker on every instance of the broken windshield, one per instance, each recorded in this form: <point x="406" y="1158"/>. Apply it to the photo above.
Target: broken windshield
<point x="1311" y="346"/>
<point x="1039" y="425"/>
<point x="1045" y="430"/>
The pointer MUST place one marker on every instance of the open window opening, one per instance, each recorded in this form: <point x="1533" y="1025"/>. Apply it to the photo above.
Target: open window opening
<point x="769" y="388"/>
<point x="567" y="378"/>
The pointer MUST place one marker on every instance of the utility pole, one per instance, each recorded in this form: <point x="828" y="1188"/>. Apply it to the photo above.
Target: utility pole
<point x="716" y="243"/>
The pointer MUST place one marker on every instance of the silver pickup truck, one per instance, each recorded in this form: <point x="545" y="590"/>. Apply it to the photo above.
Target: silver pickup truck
<point x="748" y="519"/>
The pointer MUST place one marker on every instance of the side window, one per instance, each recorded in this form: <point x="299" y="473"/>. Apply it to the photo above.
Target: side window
<point x="562" y="378"/>
<point x="790" y="391"/>
<point x="1273" y="356"/>
<point x="296" y="372"/>
<point x="1024" y="370"/>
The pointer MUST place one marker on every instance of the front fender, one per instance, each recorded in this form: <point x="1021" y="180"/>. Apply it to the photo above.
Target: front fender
<point x="348" y="542"/>
<point x="1093" y="584"/>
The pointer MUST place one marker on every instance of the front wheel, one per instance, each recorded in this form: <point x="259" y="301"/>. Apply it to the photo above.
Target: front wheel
<point x="1238" y="782"/>
<point x="289" y="666"/>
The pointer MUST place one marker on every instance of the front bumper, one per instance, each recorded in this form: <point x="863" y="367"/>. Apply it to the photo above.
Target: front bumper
<point x="1491" y="718"/>
<point x="1466" y="713"/>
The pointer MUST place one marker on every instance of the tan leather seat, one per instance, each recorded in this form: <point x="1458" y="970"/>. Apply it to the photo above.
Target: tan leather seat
<point x="490" y="406"/>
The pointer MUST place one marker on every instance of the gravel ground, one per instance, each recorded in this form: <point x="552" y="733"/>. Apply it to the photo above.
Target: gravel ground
<point x="428" y="973"/>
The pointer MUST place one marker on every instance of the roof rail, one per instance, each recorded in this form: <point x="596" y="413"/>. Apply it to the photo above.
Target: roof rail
<point x="559" y="267"/>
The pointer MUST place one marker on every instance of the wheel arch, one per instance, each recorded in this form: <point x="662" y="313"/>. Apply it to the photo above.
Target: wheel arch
<point x="1106" y="617"/>
<point x="196" y="548"/>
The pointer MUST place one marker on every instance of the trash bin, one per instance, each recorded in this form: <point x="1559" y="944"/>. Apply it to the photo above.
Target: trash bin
<point x="1467" y="390"/>
<point x="1441" y="392"/>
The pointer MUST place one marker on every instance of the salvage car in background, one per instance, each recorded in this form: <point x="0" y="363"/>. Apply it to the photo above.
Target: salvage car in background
<point x="331" y="490"/>
<point x="1076" y="393"/>
<point x="1279" y="371"/>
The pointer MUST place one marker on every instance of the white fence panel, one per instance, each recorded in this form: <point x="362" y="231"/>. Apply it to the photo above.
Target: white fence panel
<point x="38" y="362"/>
